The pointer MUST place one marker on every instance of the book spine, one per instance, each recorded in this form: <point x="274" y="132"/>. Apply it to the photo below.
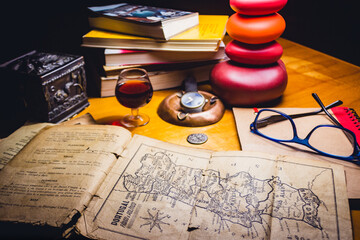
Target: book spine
<point x="348" y="119"/>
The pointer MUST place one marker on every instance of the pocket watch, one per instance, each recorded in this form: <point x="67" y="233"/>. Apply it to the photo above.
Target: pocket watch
<point x="191" y="100"/>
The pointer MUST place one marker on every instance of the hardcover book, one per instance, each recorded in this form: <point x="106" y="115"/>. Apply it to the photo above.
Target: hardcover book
<point x="204" y="37"/>
<point x="154" y="22"/>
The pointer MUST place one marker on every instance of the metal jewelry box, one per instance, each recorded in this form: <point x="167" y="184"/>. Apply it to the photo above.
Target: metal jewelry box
<point x="53" y="84"/>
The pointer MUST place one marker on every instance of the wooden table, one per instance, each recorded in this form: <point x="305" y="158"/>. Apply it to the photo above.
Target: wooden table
<point x="308" y="71"/>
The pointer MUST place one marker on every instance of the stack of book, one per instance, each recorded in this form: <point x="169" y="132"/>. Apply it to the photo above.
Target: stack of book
<point x="170" y="44"/>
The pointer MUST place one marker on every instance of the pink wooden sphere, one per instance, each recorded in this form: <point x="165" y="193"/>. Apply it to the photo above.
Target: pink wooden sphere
<point x="257" y="7"/>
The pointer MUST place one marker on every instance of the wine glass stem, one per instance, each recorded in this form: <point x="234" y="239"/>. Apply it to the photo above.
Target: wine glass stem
<point x="135" y="112"/>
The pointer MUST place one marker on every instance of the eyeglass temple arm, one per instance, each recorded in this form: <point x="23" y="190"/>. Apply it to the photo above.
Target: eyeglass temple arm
<point x="278" y="118"/>
<point x="336" y="122"/>
<point x="317" y="99"/>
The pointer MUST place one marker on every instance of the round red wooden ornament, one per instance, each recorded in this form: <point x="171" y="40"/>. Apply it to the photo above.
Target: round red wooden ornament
<point x="245" y="85"/>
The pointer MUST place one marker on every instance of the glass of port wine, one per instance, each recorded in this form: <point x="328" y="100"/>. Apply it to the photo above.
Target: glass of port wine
<point x="134" y="90"/>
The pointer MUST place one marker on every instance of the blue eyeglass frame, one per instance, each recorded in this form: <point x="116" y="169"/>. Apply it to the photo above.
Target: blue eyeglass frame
<point x="354" y="157"/>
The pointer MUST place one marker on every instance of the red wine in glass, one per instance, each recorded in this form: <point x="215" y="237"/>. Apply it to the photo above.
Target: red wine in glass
<point x="134" y="94"/>
<point x="134" y="90"/>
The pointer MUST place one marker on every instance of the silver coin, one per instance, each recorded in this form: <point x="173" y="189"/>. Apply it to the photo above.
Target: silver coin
<point x="197" y="138"/>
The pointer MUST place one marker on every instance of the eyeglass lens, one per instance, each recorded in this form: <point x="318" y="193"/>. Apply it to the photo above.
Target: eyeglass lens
<point x="330" y="140"/>
<point x="282" y="130"/>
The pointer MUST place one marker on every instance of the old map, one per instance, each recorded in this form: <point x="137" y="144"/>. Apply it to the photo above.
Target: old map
<point x="162" y="193"/>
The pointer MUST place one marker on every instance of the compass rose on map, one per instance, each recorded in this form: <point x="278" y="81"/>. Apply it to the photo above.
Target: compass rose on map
<point x="154" y="220"/>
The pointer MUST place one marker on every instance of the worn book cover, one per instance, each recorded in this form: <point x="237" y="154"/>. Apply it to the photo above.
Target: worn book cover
<point x="101" y="182"/>
<point x="204" y="37"/>
<point x="155" y="22"/>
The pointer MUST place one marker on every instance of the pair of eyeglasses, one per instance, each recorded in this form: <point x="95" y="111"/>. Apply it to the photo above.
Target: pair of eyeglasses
<point x="328" y="140"/>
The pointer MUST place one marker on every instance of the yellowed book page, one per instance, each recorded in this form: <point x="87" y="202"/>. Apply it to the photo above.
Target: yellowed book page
<point x="252" y="142"/>
<point x="56" y="174"/>
<point x="11" y="145"/>
<point x="149" y="194"/>
<point x="248" y="195"/>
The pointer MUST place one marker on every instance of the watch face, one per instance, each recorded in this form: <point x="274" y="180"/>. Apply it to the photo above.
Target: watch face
<point x="192" y="100"/>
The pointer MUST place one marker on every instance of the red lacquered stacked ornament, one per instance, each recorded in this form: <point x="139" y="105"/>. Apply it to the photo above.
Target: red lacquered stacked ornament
<point x="254" y="74"/>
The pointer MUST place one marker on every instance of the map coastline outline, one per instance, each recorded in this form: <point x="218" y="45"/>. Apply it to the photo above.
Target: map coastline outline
<point x="167" y="150"/>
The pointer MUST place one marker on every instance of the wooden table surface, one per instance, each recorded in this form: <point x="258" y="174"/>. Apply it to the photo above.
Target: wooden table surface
<point x="308" y="71"/>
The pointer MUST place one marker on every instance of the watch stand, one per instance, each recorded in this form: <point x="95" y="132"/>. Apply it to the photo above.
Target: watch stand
<point x="171" y="111"/>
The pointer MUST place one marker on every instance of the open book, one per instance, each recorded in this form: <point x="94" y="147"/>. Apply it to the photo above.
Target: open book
<point x="100" y="182"/>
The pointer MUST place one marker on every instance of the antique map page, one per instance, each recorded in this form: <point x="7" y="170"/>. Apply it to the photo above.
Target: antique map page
<point x="163" y="191"/>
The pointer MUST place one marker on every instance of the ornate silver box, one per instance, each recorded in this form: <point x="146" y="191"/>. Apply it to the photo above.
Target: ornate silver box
<point x="53" y="84"/>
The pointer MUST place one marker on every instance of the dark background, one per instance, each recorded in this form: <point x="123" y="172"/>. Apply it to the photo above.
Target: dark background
<point x="329" y="26"/>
